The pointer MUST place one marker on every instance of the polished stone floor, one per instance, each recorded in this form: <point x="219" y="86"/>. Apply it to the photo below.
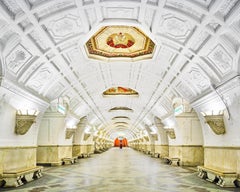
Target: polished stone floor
<point x="118" y="170"/>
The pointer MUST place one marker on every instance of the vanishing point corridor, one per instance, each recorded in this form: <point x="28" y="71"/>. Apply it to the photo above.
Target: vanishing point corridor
<point x="118" y="170"/>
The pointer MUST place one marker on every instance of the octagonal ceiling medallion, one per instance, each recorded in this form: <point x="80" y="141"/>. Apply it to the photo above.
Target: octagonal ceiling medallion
<point x="120" y="42"/>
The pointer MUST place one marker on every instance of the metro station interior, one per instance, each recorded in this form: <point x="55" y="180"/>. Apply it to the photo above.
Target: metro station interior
<point x="147" y="92"/>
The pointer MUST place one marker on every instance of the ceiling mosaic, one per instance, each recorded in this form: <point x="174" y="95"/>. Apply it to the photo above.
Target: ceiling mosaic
<point x="120" y="91"/>
<point x="120" y="42"/>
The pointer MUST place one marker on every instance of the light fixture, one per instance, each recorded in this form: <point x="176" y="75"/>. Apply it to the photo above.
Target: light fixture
<point x="178" y="110"/>
<point x="215" y="121"/>
<point x="69" y="133"/>
<point x="24" y="120"/>
<point x="61" y="109"/>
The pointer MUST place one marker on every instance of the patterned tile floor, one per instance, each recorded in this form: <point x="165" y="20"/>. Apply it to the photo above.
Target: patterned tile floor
<point x="119" y="170"/>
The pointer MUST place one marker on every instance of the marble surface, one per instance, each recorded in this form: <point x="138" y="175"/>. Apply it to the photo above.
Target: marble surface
<point x="223" y="157"/>
<point x="12" y="158"/>
<point x="162" y="149"/>
<point x="51" y="154"/>
<point x="119" y="170"/>
<point x="189" y="155"/>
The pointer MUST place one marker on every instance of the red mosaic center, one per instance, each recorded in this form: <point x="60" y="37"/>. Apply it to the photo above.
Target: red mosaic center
<point x="120" y="40"/>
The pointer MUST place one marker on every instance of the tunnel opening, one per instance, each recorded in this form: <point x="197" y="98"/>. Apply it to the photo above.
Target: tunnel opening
<point x="120" y="142"/>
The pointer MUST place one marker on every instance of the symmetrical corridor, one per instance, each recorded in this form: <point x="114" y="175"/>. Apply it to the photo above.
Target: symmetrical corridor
<point x="119" y="170"/>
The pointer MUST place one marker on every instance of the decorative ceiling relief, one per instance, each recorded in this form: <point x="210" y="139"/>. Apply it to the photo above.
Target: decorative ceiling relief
<point x="226" y="7"/>
<point x="174" y="27"/>
<point x="149" y="16"/>
<point x="198" y="78"/>
<point x="185" y="91"/>
<point x="115" y="62"/>
<point x="41" y="78"/>
<point x="120" y="42"/>
<point x="88" y="2"/>
<point x="17" y="58"/>
<point x="35" y="3"/>
<point x="120" y="91"/>
<point x="199" y="40"/>
<point x="12" y="8"/>
<point x="56" y="91"/>
<point x="153" y="2"/>
<point x="221" y="59"/>
<point x="53" y="8"/>
<point x="213" y="25"/>
<point x="25" y="24"/>
<point x="91" y="16"/>
<point x="65" y="27"/>
<point x="120" y="12"/>
<point x="182" y="7"/>
<point x="39" y="41"/>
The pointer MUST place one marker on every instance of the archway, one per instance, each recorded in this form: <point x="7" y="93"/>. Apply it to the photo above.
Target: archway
<point x="119" y="141"/>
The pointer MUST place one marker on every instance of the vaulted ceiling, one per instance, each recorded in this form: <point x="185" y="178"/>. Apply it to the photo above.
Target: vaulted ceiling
<point x="195" y="47"/>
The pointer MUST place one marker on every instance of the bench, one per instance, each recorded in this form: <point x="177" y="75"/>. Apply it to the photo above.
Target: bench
<point x="84" y="155"/>
<point x="175" y="161"/>
<point x="156" y="155"/>
<point x="15" y="178"/>
<point x="69" y="160"/>
<point x="172" y="160"/>
<point x="223" y="178"/>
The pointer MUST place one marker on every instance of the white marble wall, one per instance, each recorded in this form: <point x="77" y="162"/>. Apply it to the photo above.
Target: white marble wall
<point x="8" y="137"/>
<point x="52" y="142"/>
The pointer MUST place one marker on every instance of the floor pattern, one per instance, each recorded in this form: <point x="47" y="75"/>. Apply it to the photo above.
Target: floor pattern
<point x="119" y="170"/>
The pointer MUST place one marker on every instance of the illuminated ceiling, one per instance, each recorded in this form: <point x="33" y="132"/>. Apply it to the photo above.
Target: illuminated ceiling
<point x="73" y="51"/>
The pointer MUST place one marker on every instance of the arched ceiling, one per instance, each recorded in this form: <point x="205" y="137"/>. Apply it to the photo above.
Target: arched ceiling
<point x="43" y="49"/>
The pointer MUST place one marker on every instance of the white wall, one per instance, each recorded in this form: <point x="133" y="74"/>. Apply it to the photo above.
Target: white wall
<point x="52" y="130"/>
<point x="230" y="93"/>
<point x="9" y="103"/>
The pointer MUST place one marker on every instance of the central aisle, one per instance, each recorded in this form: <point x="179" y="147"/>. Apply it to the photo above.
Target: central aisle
<point x="119" y="170"/>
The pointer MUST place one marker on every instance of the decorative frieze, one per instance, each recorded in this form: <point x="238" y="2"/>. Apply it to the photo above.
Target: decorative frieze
<point x="17" y="58"/>
<point x="86" y="136"/>
<point x="24" y="123"/>
<point x="171" y="133"/>
<point x="216" y="123"/>
<point x="69" y="133"/>
<point x="221" y="59"/>
<point x="174" y="27"/>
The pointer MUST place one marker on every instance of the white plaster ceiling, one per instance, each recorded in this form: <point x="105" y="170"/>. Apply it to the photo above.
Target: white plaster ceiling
<point x="42" y="43"/>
